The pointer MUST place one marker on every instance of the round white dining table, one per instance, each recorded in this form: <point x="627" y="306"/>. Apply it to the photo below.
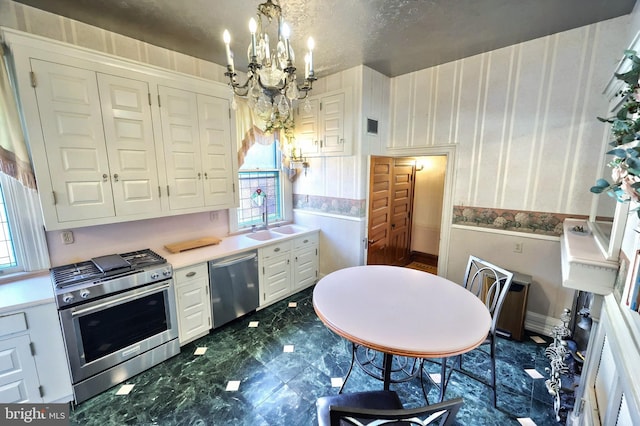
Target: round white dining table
<point x="401" y="311"/>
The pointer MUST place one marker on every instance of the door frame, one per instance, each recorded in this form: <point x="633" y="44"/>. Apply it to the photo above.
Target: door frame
<point x="448" y="151"/>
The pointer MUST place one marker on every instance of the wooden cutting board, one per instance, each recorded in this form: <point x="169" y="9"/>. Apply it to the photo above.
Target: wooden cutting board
<point x="192" y="244"/>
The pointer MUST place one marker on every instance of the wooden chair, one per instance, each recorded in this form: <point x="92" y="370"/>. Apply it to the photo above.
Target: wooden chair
<point x="382" y="407"/>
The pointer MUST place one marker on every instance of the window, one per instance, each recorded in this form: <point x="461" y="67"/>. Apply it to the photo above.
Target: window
<point x="8" y="262"/>
<point x="261" y="170"/>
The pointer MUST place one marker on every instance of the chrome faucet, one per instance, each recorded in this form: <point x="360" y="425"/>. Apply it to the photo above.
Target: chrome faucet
<point x="265" y="212"/>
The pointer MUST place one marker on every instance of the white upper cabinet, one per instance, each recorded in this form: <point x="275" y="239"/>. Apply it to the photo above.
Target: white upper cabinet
<point x="113" y="140"/>
<point x="324" y="124"/>
<point x="128" y="128"/>
<point x="181" y="136"/>
<point x="197" y="140"/>
<point x="76" y="154"/>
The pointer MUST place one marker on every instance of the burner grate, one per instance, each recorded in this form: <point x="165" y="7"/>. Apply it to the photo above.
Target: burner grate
<point x="143" y="258"/>
<point x="76" y="273"/>
<point x="64" y="276"/>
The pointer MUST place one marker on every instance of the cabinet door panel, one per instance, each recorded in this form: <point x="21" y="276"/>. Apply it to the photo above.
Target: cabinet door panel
<point x="306" y="264"/>
<point x="307" y="127"/>
<point x="130" y="144"/>
<point x="18" y="377"/>
<point x="277" y="277"/>
<point x="179" y="115"/>
<point x="71" y="119"/>
<point x="215" y="137"/>
<point x="333" y="123"/>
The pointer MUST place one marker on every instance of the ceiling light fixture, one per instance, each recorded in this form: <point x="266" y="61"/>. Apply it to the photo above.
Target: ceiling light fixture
<point x="271" y="85"/>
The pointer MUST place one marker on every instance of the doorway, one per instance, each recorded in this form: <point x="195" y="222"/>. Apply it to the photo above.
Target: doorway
<point x="406" y="199"/>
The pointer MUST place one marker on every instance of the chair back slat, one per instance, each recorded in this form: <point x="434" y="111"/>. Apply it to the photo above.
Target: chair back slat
<point x="490" y="283"/>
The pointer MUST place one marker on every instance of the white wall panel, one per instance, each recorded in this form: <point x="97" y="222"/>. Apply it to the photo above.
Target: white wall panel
<point x="444" y="95"/>
<point x="523" y="117"/>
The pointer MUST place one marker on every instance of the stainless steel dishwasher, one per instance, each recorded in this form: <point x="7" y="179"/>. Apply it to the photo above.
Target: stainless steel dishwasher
<point x="234" y="286"/>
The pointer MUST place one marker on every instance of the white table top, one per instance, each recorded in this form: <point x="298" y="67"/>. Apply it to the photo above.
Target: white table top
<point x="401" y="311"/>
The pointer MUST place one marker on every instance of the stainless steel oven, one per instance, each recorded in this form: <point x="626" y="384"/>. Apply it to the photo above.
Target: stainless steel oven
<point x="118" y="318"/>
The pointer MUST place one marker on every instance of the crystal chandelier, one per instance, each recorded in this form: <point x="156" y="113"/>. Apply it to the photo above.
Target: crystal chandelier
<point x="271" y="85"/>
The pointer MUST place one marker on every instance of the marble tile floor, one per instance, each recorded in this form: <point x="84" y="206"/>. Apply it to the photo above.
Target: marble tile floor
<point x="285" y="363"/>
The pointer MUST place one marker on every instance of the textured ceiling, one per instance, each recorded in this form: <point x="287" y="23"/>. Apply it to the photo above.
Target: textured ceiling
<point x="393" y="37"/>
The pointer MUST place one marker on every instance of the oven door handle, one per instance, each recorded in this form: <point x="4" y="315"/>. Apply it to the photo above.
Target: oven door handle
<point x="117" y="301"/>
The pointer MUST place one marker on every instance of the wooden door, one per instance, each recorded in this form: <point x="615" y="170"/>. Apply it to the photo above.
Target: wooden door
<point x="379" y="210"/>
<point x="402" y="184"/>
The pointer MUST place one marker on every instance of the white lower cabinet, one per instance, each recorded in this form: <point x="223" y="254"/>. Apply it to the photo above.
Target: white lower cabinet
<point x="33" y="365"/>
<point x="275" y="267"/>
<point x="305" y="261"/>
<point x="193" y="302"/>
<point x="288" y="267"/>
<point x="18" y="376"/>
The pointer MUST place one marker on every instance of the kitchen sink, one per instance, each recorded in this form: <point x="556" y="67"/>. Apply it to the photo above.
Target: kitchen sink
<point x="265" y="235"/>
<point x="288" y="229"/>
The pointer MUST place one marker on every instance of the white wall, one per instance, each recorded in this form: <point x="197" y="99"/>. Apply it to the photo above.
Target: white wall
<point x="523" y="121"/>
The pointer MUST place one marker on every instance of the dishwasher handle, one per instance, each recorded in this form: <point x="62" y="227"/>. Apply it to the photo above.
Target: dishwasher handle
<point x="223" y="264"/>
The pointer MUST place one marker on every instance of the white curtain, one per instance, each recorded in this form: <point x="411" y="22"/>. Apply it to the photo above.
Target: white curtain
<point x="250" y="130"/>
<point x="27" y="225"/>
<point x="14" y="157"/>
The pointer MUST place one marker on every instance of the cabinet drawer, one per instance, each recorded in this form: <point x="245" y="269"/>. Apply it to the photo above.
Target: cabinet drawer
<point x="276" y="249"/>
<point x="305" y="241"/>
<point x="10" y="324"/>
<point x="183" y="275"/>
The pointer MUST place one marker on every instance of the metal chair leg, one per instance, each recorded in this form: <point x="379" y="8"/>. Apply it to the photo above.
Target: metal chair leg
<point x="353" y="359"/>
<point x="493" y="373"/>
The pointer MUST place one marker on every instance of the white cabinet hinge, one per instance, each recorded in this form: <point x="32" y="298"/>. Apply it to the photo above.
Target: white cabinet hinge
<point x="233" y="185"/>
<point x="320" y="106"/>
<point x="32" y="348"/>
<point x="209" y="321"/>
<point x="32" y="77"/>
<point x="41" y="390"/>
<point x="159" y="192"/>
<point x="159" y="105"/>
<point x="53" y="197"/>
<point x="263" y="271"/>
<point x="168" y="194"/>
<point x="149" y="95"/>
<point x="229" y="112"/>
<point x="206" y="290"/>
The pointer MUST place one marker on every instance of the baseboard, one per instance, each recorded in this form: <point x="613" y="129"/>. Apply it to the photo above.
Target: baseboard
<point x="540" y="324"/>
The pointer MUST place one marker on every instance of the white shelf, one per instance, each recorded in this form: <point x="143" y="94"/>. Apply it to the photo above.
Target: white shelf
<point x="583" y="265"/>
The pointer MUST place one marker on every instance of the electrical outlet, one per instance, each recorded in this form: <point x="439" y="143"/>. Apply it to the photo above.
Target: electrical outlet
<point x="213" y="216"/>
<point x="517" y="248"/>
<point x="67" y="237"/>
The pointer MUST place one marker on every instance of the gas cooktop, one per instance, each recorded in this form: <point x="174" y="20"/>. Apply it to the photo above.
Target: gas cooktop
<point x="79" y="283"/>
<point x="104" y="267"/>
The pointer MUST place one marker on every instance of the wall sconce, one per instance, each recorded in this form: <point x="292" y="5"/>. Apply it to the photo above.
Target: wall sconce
<point x="298" y="162"/>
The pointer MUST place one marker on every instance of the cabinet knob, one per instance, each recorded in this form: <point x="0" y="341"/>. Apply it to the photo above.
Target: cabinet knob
<point x="205" y="175"/>
<point x="341" y="141"/>
<point x="199" y="175"/>
<point x="115" y="177"/>
<point x="276" y="249"/>
<point x="105" y="177"/>
<point x="191" y="274"/>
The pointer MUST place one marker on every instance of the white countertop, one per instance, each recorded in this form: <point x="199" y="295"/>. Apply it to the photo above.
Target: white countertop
<point x="25" y="293"/>
<point x="228" y="246"/>
<point x="38" y="289"/>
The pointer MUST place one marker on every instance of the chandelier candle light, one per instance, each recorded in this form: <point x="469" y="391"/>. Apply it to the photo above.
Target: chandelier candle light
<point x="271" y="85"/>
